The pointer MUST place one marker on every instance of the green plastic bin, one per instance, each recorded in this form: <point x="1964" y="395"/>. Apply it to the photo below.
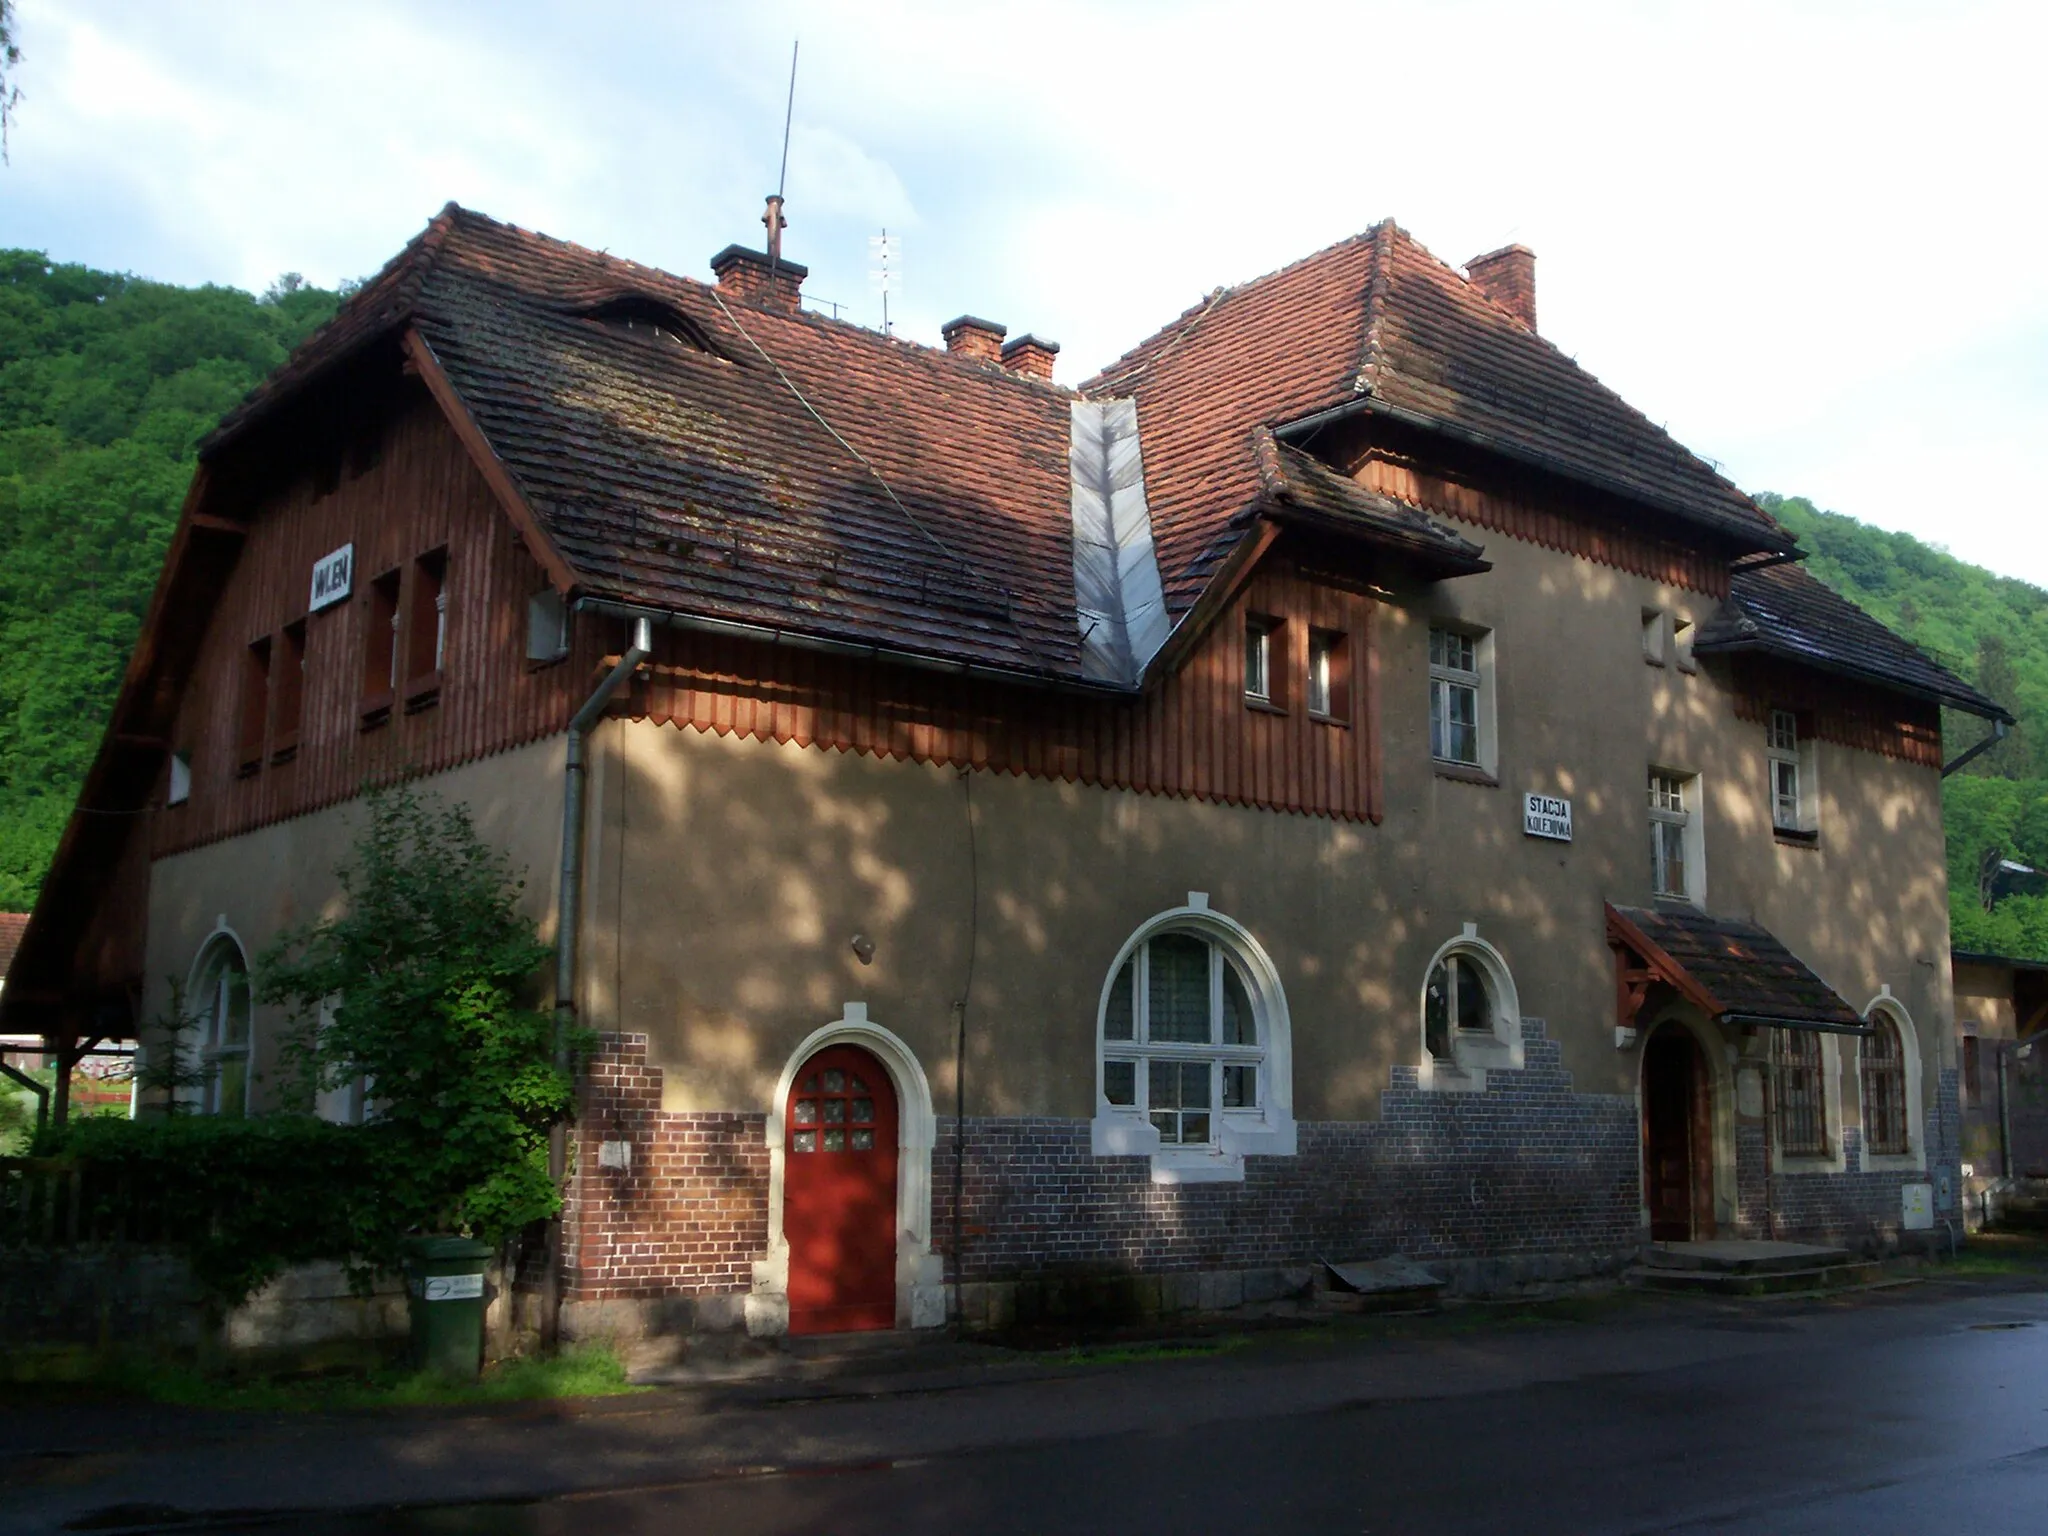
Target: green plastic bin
<point x="444" y="1283"/>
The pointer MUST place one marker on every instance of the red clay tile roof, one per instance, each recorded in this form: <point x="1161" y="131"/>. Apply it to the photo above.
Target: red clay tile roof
<point x="1780" y="610"/>
<point x="690" y="472"/>
<point x="12" y="926"/>
<point x="1741" y="966"/>
<point x="1377" y="319"/>
<point x="698" y="481"/>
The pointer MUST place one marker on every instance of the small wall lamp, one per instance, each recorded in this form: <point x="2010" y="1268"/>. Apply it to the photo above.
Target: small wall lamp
<point x="863" y="948"/>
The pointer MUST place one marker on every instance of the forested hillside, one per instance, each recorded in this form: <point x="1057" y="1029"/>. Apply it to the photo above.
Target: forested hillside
<point x="1992" y="630"/>
<point x="108" y="382"/>
<point x="106" y="385"/>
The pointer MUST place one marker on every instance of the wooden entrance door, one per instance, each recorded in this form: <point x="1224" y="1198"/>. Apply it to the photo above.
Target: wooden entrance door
<point x="839" y="1193"/>
<point x="1678" y="1158"/>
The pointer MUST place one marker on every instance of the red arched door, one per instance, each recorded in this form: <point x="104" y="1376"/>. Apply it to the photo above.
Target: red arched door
<point x="839" y="1193"/>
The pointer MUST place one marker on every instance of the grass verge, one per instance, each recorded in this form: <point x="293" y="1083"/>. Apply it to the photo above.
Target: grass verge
<point x="587" y="1371"/>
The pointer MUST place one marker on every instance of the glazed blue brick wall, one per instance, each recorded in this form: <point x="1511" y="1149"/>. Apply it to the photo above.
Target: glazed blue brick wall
<point x="1861" y="1210"/>
<point x="1528" y="1167"/>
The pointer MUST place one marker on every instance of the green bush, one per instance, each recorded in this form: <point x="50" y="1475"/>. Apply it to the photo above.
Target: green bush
<point x="243" y="1198"/>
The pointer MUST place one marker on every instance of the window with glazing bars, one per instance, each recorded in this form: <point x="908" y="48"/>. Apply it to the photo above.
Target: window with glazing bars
<point x="1788" y="813"/>
<point x="1884" y="1089"/>
<point x="1670" y="826"/>
<point x="1261" y="645"/>
<point x="1453" y="697"/>
<point x="1802" y="1106"/>
<point x="1181" y="1038"/>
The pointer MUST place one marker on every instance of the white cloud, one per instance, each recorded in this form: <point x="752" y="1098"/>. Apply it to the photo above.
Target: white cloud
<point x="1801" y="233"/>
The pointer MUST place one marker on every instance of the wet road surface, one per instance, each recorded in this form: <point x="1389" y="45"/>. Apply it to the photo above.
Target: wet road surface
<point x="1920" y="1414"/>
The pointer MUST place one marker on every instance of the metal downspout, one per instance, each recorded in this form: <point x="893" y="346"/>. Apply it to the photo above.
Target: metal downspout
<point x="567" y="919"/>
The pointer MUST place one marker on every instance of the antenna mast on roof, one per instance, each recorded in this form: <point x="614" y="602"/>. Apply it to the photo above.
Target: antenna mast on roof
<point x="773" y="217"/>
<point x="887" y="272"/>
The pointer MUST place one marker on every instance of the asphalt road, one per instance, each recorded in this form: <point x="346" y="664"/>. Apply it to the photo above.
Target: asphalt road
<point x="1915" y="1412"/>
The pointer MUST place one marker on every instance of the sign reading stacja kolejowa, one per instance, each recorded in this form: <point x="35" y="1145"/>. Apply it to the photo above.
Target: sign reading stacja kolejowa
<point x="1547" y="816"/>
<point x="332" y="576"/>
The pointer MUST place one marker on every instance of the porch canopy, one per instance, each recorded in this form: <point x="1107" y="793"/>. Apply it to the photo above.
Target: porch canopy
<point x="1734" y="972"/>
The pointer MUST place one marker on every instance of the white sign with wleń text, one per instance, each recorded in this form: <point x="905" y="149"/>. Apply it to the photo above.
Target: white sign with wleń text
<point x="332" y="578"/>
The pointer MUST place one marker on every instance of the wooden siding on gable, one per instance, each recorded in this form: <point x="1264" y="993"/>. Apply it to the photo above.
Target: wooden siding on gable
<point x="1194" y="735"/>
<point x="1522" y="507"/>
<point x="1841" y="710"/>
<point x="421" y="494"/>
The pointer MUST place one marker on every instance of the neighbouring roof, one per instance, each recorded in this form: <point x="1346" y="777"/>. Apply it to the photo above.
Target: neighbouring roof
<point x="1378" y="320"/>
<point x="1782" y="611"/>
<point x="2011" y="962"/>
<point x="12" y="926"/>
<point x="1733" y="969"/>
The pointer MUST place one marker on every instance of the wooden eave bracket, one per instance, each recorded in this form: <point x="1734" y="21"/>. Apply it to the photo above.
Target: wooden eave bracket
<point x="1639" y="961"/>
<point x="421" y="355"/>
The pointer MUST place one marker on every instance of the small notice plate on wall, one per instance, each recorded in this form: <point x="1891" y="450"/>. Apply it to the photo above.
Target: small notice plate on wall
<point x="1547" y="816"/>
<point x="332" y="577"/>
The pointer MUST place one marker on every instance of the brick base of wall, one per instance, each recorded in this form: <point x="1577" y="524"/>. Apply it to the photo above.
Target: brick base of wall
<point x="1479" y="1183"/>
<point x="1526" y="1181"/>
<point x="1853" y="1209"/>
<point x="688" y="1213"/>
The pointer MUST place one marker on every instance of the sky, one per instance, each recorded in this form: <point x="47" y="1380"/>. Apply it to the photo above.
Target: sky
<point x="1810" y="239"/>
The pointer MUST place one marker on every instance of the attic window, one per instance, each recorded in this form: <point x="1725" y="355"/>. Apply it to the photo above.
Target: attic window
<point x="651" y="321"/>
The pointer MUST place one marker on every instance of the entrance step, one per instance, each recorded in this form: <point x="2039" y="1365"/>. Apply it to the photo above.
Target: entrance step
<point x="1731" y="1267"/>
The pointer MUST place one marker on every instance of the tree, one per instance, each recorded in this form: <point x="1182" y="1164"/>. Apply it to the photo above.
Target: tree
<point x="415" y="988"/>
<point x="10" y="60"/>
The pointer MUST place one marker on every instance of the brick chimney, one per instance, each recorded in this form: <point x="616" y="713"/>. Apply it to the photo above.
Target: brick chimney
<point x="745" y="275"/>
<point x="1508" y="277"/>
<point x="1030" y="357"/>
<point x="971" y="336"/>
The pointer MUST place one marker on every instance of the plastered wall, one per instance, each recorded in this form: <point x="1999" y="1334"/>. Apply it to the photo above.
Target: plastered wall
<point x="741" y="871"/>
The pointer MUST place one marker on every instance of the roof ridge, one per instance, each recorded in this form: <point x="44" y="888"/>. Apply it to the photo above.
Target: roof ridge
<point x="1368" y="376"/>
<point x="850" y="328"/>
<point x="1467" y="287"/>
<point x="1155" y="346"/>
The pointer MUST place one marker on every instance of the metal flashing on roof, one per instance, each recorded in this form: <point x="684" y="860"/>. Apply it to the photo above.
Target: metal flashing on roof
<point x="1119" y="601"/>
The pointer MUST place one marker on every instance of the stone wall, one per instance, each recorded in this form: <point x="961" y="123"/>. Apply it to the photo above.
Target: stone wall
<point x="106" y="1295"/>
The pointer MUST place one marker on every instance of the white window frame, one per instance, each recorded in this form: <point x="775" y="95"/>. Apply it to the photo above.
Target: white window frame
<point x="1682" y="636"/>
<point x="1265" y="1129"/>
<point x="179" y="788"/>
<point x="547" y="626"/>
<point x="1690" y="818"/>
<point x="210" y="1014"/>
<point x="1785" y="747"/>
<point x="1656" y="636"/>
<point x="1322" y="668"/>
<point x="1914" y="1158"/>
<point x="1478" y="679"/>
<point x="1260" y="631"/>
<point x="1473" y="1052"/>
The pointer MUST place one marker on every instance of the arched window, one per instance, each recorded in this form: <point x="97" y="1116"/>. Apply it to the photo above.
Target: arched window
<point x="1888" y="1083"/>
<point x="1192" y="1049"/>
<point x="1885" y="1130"/>
<point x="1471" y="1014"/>
<point x="219" y="1005"/>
